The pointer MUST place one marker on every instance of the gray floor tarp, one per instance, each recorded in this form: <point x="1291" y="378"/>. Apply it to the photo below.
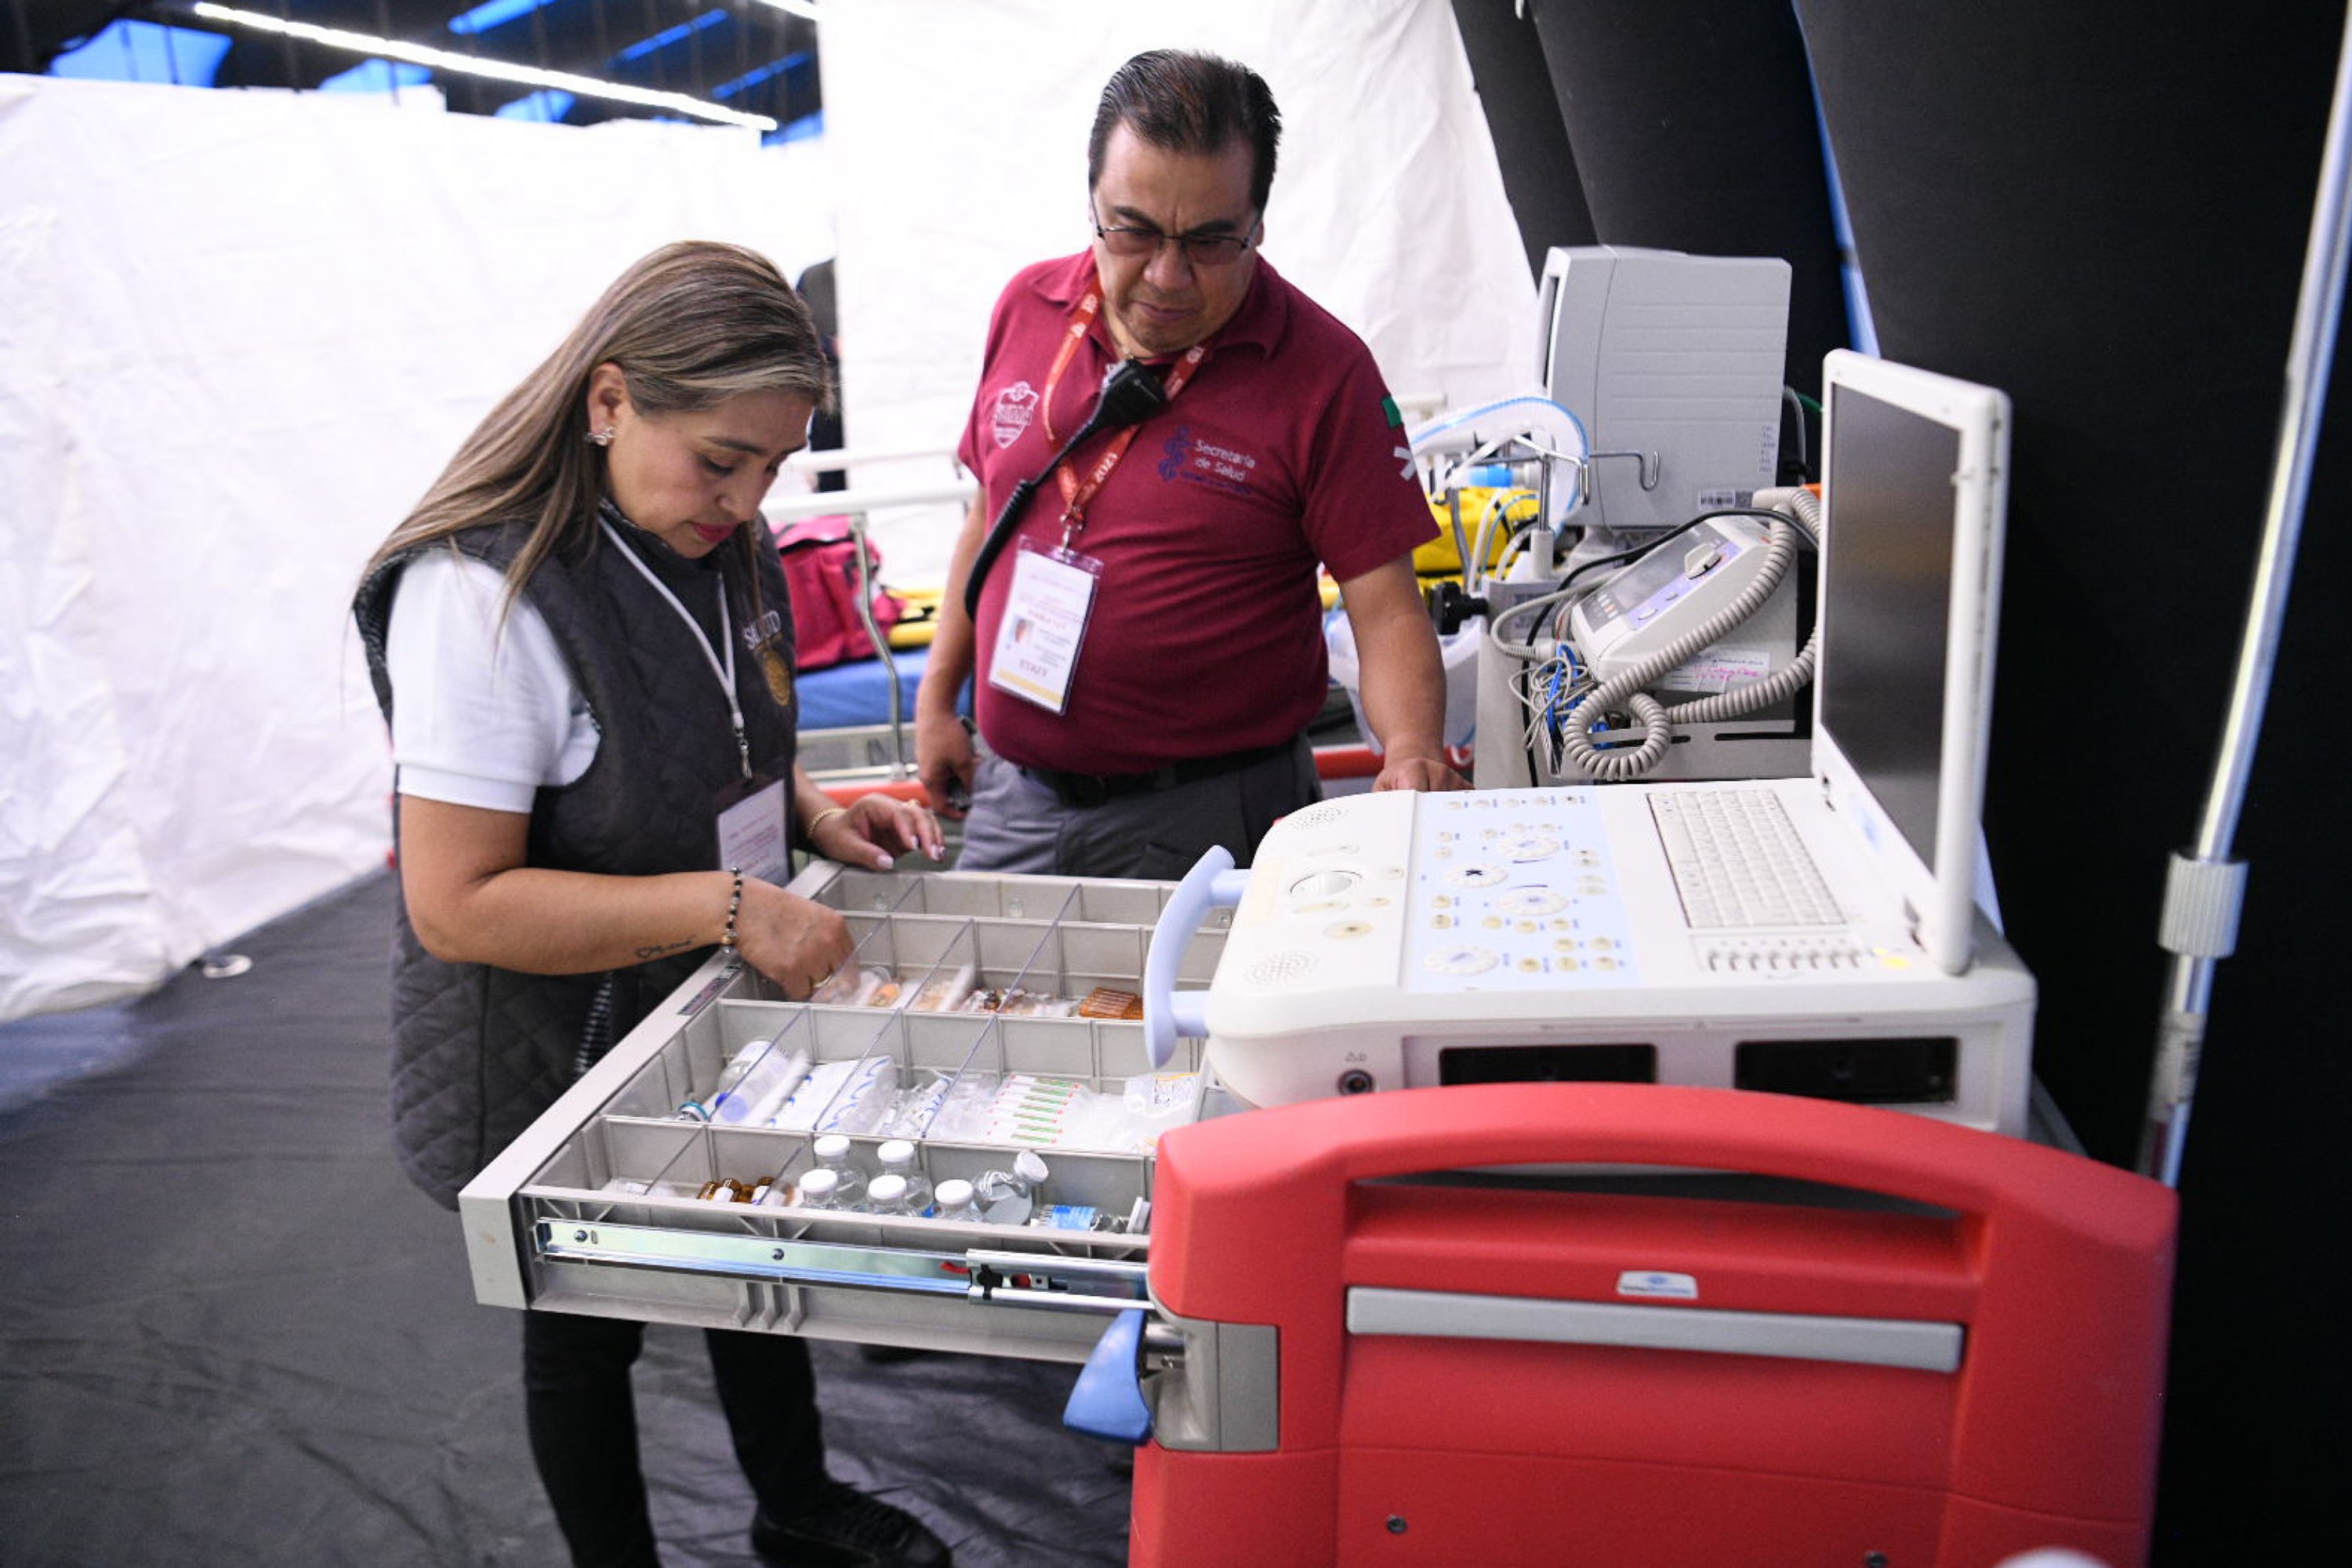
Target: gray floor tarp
<point x="231" y="1332"/>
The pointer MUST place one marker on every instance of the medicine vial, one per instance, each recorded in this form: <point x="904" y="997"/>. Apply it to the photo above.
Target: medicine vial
<point x="818" y="1190"/>
<point x="886" y="1194"/>
<point x="896" y="1158"/>
<point x="833" y="1154"/>
<point x="956" y="1202"/>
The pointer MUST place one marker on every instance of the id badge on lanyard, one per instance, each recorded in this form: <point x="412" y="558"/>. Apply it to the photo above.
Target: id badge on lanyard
<point x="1046" y="615"/>
<point x="1053" y="593"/>
<point x="753" y="838"/>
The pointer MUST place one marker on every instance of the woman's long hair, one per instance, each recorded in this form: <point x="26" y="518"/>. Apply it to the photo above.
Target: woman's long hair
<point x="689" y="326"/>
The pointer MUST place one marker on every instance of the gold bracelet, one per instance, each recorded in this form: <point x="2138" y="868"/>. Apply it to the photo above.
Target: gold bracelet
<point x="820" y="819"/>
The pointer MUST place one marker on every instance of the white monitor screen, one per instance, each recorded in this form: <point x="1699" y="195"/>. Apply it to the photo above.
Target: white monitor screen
<point x="1914" y="471"/>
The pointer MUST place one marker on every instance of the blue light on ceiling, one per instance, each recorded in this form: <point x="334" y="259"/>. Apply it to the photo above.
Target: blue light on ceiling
<point x="669" y="36"/>
<point x="377" y="76"/>
<point x="145" y="51"/>
<point x="749" y="79"/>
<point x="492" y="14"/>
<point x="807" y="127"/>
<point x="546" y="104"/>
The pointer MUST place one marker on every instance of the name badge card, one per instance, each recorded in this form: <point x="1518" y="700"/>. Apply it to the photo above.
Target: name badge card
<point x="752" y="837"/>
<point x="1044" y="620"/>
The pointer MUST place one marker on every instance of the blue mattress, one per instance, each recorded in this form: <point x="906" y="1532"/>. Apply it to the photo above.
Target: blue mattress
<point x="846" y="696"/>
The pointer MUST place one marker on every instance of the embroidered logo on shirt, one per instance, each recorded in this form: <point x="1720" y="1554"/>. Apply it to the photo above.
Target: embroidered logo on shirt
<point x="763" y="639"/>
<point x="1206" y="463"/>
<point x="1016" y="406"/>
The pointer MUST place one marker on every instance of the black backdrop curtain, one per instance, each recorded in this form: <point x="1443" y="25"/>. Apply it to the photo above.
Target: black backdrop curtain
<point x="2101" y="209"/>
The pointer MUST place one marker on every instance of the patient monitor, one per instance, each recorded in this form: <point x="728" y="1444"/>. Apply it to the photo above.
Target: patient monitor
<point x="1674" y="363"/>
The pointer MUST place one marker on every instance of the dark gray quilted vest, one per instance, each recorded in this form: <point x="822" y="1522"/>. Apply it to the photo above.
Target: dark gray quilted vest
<point x="479" y="1052"/>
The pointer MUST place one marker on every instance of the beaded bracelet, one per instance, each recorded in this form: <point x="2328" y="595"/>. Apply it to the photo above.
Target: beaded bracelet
<point x="734" y="907"/>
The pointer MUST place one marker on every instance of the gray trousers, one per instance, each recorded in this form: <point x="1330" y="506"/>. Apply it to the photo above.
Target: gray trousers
<point x="1018" y="824"/>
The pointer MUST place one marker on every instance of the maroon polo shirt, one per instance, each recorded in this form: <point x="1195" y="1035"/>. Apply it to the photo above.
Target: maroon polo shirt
<point x="1205" y="638"/>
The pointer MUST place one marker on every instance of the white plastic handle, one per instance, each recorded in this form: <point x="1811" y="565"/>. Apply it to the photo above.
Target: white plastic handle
<point x="1210" y="884"/>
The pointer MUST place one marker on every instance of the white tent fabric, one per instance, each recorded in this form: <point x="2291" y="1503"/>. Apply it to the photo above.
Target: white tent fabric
<point x="244" y="330"/>
<point x="957" y="138"/>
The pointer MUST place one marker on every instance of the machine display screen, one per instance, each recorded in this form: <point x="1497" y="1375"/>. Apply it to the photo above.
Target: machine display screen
<point x="1886" y="603"/>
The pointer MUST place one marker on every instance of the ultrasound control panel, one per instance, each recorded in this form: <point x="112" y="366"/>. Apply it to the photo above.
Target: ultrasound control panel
<point x="1404" y="940"/>
<point x="1515" y="890"/>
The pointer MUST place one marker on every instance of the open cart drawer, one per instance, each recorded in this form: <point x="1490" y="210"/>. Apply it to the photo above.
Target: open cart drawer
<point x="981" y="1015"/>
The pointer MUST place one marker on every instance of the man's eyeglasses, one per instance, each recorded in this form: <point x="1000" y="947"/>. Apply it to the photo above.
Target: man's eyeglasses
<point x="1198" y="249"/>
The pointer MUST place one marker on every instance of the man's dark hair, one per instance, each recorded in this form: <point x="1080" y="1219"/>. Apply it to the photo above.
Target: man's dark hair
<point x="1183" y="101"/>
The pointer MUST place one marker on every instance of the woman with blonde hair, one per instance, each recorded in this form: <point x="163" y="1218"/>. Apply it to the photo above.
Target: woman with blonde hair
<point x="582" y="642"/>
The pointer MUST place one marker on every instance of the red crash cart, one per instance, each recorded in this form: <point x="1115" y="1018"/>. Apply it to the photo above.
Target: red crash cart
<point x="1861" y="1339"/>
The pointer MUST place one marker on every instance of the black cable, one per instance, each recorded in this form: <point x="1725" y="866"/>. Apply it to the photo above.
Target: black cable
<point x="1558" y="618"/>
<point x="1130" y="394"/>
<point x="1674" y="532"/>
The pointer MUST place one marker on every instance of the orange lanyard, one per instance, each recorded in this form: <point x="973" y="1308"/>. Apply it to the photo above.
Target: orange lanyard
<point x="1075" y="494"/>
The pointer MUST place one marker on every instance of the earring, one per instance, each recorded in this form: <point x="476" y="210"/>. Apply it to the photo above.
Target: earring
<point x="601" y="437"/>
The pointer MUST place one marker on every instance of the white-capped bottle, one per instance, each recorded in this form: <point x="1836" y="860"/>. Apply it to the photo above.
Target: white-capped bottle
<point x="954" y="1201"/>
<point x="886" y="1194"/>
<point x="1006" y="1197"/>
<point x="833" y="1154"/>
<point x="896" y="1158"/>
<point x="818" y="1190"/>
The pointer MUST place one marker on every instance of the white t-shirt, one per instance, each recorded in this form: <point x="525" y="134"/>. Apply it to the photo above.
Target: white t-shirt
<point x="481" y="715"/>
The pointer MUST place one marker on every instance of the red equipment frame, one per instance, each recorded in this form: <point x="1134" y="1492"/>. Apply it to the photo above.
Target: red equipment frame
<point x="1439" y="1451"/>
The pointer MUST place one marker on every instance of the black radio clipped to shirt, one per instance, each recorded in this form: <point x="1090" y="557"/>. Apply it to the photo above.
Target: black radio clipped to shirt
<point x="1132" y="393"/>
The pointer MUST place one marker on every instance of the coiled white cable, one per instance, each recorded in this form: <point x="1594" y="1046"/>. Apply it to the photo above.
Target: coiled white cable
<point x="1628" y="688"/>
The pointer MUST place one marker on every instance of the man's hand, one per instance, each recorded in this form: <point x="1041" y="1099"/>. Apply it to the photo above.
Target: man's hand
<point x="1401" y="678"/>
<point x="945" y="759"/>
<point x="944" y="755"/>
<point x="1417" y="772"/>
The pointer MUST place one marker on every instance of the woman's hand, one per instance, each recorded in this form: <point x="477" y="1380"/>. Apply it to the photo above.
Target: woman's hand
<point x="796" y="943"/>
<point x="873" y="828"/>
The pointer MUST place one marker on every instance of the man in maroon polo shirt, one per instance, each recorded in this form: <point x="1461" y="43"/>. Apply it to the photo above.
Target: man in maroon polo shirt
<point x="1148" y="637"/>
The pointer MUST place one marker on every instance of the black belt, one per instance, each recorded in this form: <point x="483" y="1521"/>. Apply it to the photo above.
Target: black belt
<point x="1083" y="790"/>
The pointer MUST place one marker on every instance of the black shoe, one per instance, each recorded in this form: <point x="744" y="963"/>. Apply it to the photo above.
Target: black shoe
<point x="843" y="1528"/>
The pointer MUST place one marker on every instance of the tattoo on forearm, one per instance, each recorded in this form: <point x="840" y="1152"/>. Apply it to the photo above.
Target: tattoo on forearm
<point x="645" y="953"/>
